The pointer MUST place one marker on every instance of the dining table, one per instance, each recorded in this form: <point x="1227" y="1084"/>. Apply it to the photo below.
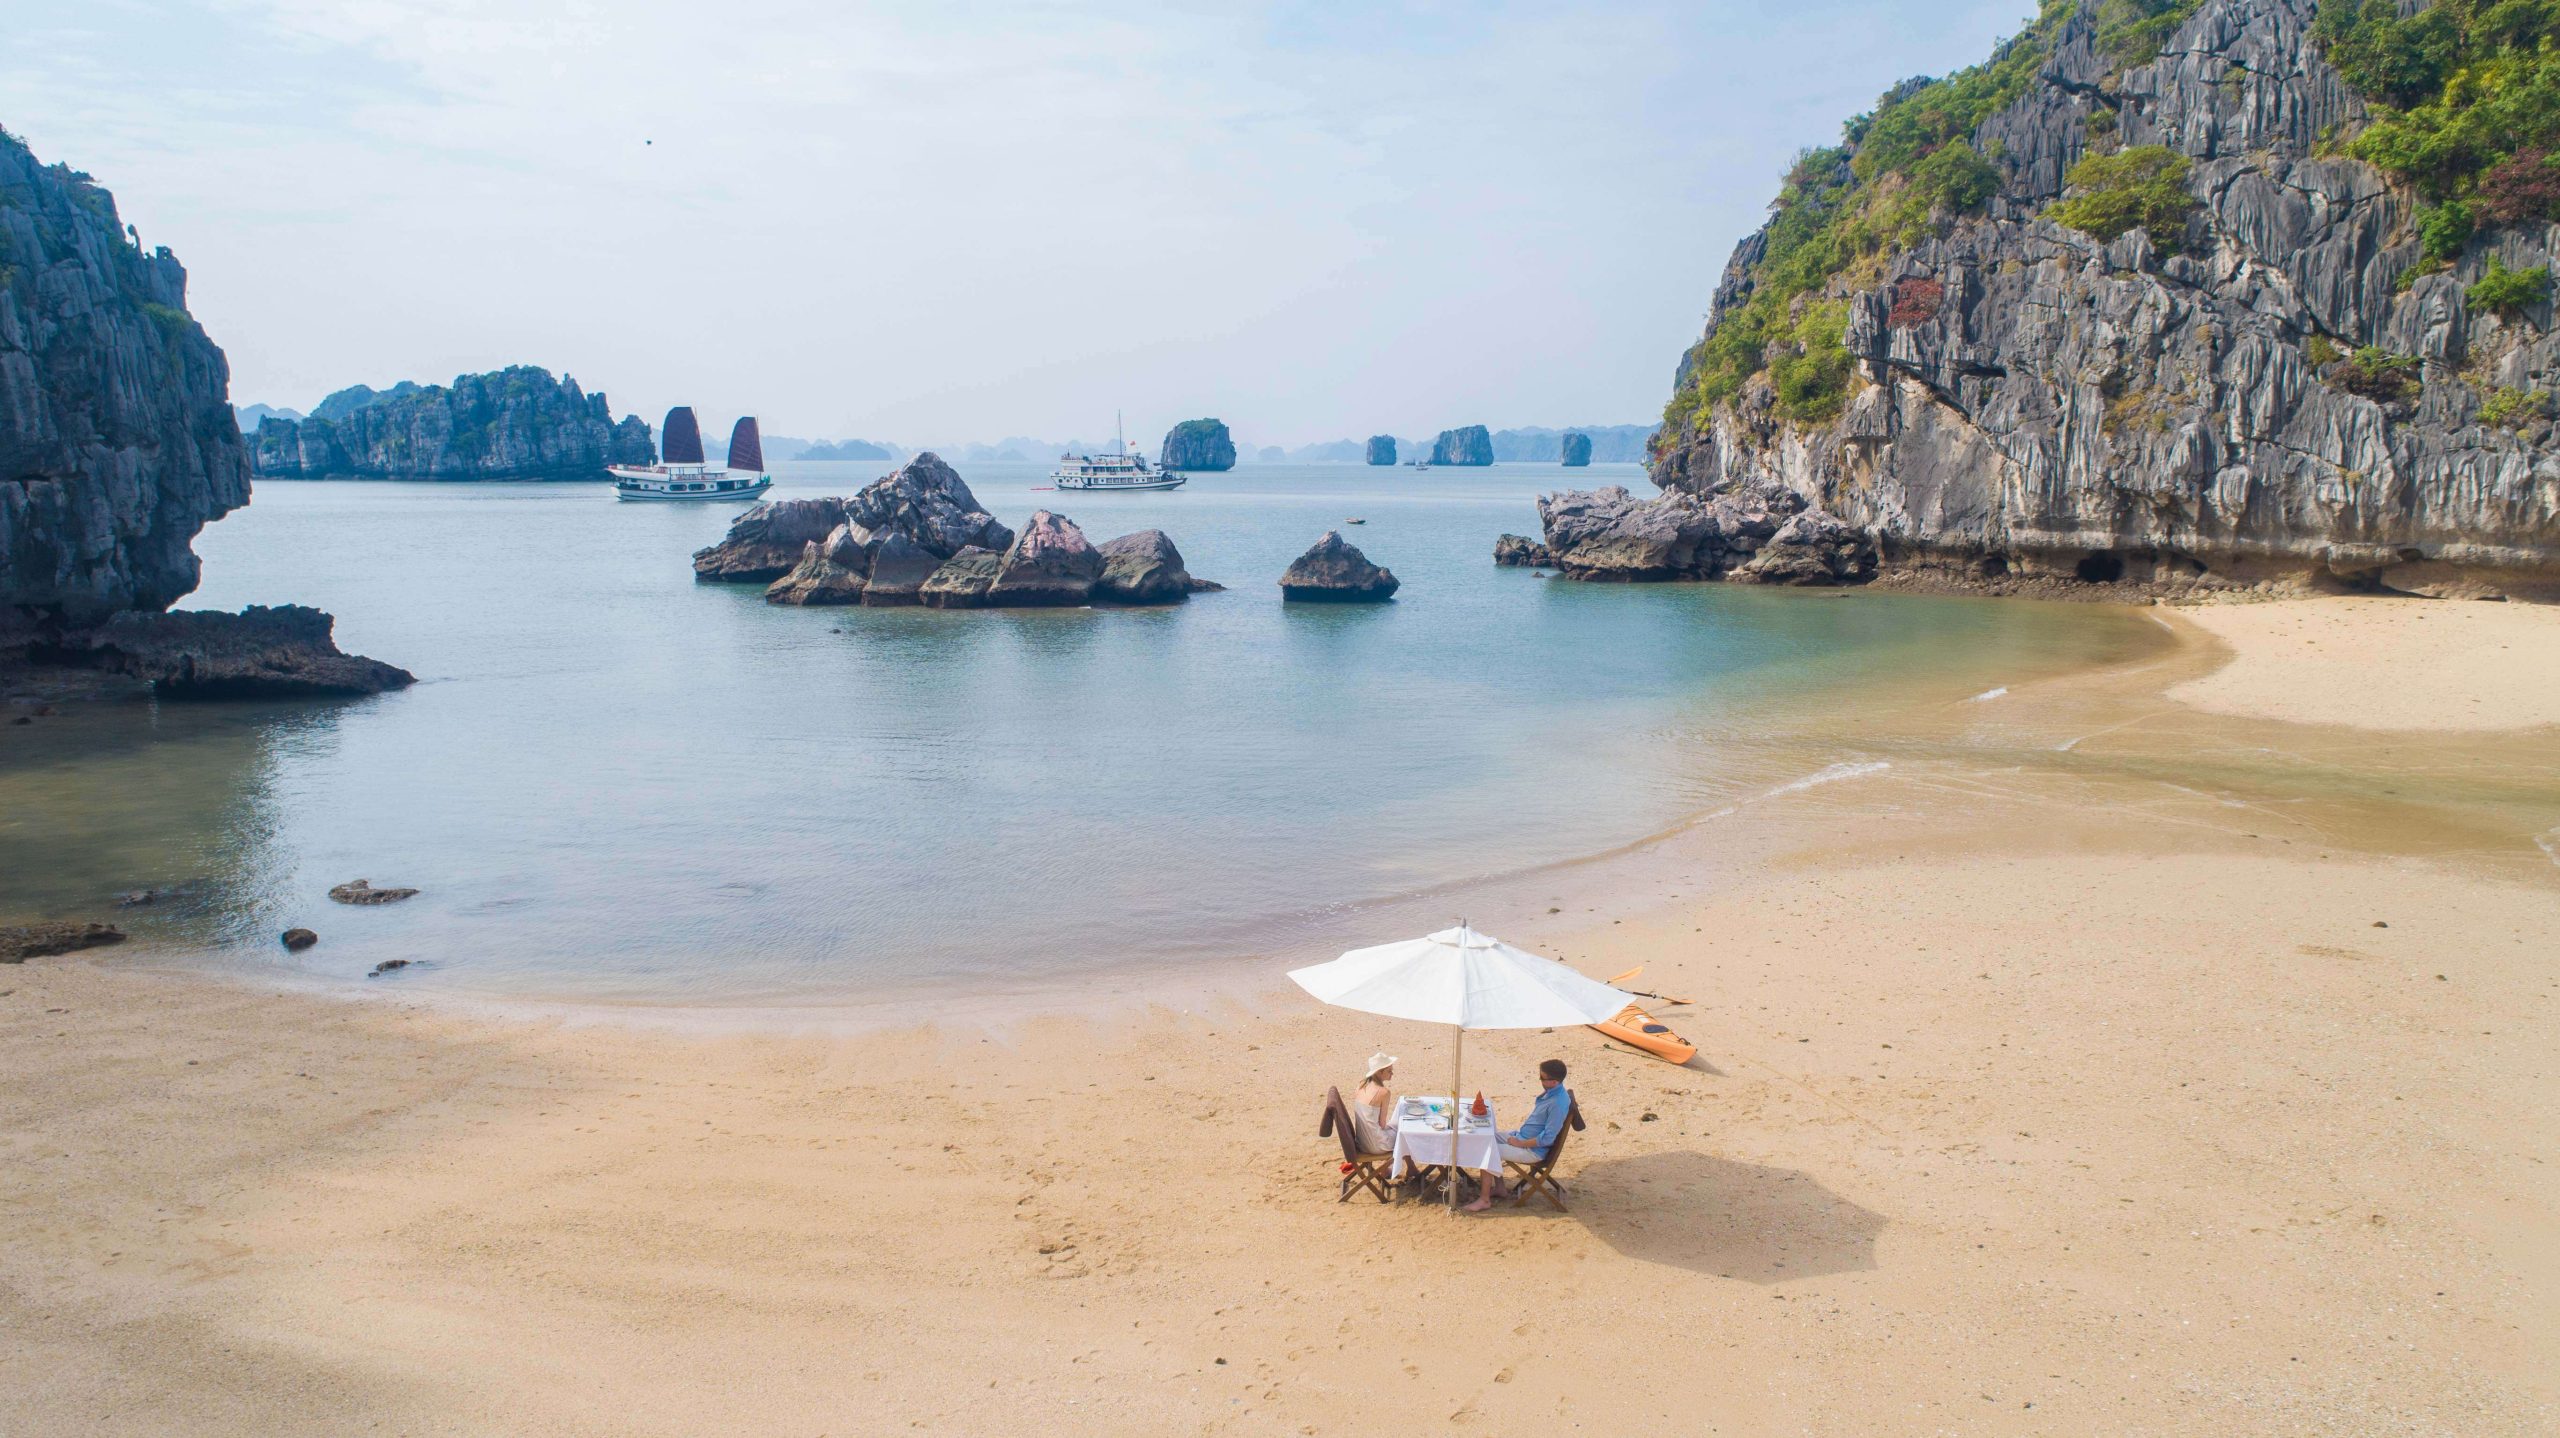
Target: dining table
<point x="1424" y="1141"/>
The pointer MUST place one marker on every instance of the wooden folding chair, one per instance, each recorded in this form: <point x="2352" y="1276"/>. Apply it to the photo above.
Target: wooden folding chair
<point x="1540" y="1177"/>
<point x="1359" y="1170"/>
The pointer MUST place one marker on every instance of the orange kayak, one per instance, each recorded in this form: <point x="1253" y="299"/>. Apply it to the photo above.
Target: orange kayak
<point x="1636" y="1027"/>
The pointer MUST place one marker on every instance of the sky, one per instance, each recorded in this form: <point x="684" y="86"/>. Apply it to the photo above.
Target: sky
<point x="958" y="219"/>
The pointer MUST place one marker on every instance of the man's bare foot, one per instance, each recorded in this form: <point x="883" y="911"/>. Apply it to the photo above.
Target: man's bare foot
<point x="1481" y="1205"/>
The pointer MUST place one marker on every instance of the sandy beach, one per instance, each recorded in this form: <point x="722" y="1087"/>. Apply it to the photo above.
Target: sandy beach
<point x="2096" y="1096"/>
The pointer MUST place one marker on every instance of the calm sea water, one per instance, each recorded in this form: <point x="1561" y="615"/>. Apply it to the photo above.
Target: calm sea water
<point x="615" y="783"/>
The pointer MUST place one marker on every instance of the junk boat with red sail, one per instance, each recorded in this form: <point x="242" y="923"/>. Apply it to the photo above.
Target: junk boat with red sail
<point x="683" y="474"/>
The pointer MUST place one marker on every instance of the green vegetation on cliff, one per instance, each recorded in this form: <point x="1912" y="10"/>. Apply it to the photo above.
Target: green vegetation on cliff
<point x="2143" y="188"/>
<point x="2465" y="98"/>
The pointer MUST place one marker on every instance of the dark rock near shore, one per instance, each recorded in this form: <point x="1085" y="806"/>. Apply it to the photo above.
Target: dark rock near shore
<point x="1382" y="449"/>
<point x="1052" y="563"/>
<point x="1335" y="572"/>
<point x="1198" y="444"/>
<point x="1516" y="551"/>
<point x="766" y="542"/>
<point x="833" y="570"/>
<point x="1468" y="447"/>
<point x="963" y="580"/>
<point x="1574" y="451"/>
<point x="1760" y="533"/>
<point x="21" y="942"/>
<point x="283" y="651"/>
<point x="387" y="966"/>
<point x="1145" y="568"/>
<point x="296" y="940"/>
<point x="362" y="891"/>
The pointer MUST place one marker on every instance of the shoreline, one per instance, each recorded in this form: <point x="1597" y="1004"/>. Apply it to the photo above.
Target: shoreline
<point x="2047" y="1083"/>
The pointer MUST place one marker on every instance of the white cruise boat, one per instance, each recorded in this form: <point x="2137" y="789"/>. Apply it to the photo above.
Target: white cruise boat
<point x="682" y="474"/>
<point x="1123" y="468"/>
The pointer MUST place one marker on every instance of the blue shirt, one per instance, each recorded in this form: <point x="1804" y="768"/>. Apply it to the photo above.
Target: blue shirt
<point x="1546" y="1120"/>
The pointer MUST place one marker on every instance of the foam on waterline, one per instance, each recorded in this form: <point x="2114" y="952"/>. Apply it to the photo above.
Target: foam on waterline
<point x="2549" y="844"/>
<point x="1830" y="774"/>
<point x="1988" y="694"/>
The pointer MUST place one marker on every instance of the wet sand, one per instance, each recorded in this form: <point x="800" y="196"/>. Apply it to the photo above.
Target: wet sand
<point x="2060" y="1073"/>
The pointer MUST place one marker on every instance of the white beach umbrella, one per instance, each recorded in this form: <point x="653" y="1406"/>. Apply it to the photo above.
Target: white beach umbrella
<point x="1466" y="980"/>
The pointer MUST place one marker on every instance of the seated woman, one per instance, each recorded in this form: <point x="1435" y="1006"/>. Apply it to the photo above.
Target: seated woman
<point x="1373" y="1106"/>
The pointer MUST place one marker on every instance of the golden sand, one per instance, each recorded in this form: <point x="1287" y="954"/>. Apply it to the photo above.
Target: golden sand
<point x="2052" y="1080"/>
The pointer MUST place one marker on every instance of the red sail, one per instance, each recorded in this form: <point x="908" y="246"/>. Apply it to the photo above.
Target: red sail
<point x="681" y="440"/>
<point x="746" y="448"/>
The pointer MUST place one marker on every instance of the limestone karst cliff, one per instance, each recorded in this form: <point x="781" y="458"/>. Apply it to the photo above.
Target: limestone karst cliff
<point x="514" y="423"/>
<point x="1381" y="450"/>
<point x="1198" y="444"/>
<point x="1471" y="445"/>
<point x="117" y="444"/>
<point x="2198" y="294"/>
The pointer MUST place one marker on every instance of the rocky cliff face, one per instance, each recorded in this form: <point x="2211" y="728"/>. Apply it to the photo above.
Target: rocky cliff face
<point x="1472" y="445"/>
<point x="1198" y="444"/>
<point x="117" y="441"/>
<point x="516" y="423"/>
<point x="2269" y="375"/>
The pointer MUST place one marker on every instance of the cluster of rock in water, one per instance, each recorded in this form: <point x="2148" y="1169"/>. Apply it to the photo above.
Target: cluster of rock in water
<point x="1761" y="533"/>
<point x="919" y="537"/>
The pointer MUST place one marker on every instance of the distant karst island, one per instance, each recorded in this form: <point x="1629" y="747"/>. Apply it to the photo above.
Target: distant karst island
<point x="1198" y="444"/>
<point x="1471" y="446"/>
<point x="517" y="423"/>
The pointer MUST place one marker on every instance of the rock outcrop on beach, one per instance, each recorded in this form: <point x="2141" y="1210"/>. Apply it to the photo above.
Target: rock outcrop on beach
<point x="1760" y="534"/>
<point x="2204" y="301"/>
<point x="21" y="942"/>
<point x="1574" y="451"/>
<point x="1515" y="551"/>
<point x="1198" y="444"/>
<point x="1335" y="572"/>
<point x="515" y="423"/>
<point x="117" y="444"/>
<point x="1381" y="450"/>
<point x="1471" y="446"/>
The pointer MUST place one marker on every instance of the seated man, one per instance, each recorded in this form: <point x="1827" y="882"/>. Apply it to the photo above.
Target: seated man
<point x="1530" y="1141"/>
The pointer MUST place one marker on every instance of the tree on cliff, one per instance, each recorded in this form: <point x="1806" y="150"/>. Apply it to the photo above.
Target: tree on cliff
<point x="1576" y="450"/>
<point x="1472" y="445"/>
<point x="1198" y="444"/>
<point x="1382" y="449"/>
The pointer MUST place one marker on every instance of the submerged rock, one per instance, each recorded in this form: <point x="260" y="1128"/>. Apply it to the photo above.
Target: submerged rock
<point x="1335" y="572"/>
<point x="767" y="541"/>
<point x="21" y="942"/>
<point x="1052" y="563"/>
<point x="362" y="891"/>
<point x="296" y="940"/>
<point x="1517" y="551"/>
<point x="963" y="580"/>
<point x="1145" y="568"/>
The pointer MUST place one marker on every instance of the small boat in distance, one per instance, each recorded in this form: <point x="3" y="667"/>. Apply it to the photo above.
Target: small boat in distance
<point x="1122" y="469"/>
<point x="681" y="473"/>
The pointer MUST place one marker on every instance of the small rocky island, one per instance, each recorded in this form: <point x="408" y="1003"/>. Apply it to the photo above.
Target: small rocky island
<point x="516" y="423"/>
<point x="1382" y="449"/>
<point x="1198" y="444"/>
<point x="1574" y="451"/>
<point x="1333" y="572"/>
<point x="918" y="536"/>
<point x="1468" y="447"/>
<point x="120" y="444"/>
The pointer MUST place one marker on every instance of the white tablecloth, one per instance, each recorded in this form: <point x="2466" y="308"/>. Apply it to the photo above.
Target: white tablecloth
<point x="1478" y="1146"/>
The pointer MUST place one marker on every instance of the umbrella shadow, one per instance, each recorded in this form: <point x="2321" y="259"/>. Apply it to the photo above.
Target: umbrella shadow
<point x="1716" y="1215"/>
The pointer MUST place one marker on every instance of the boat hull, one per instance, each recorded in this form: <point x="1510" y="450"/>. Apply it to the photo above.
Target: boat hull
<point x="1171" y="481"/>
<point x="1629" y="1028"/>
<point x="644" y="485"/>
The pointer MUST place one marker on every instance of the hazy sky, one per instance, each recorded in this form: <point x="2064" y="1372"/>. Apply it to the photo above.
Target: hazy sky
<point x="955" y="219"/>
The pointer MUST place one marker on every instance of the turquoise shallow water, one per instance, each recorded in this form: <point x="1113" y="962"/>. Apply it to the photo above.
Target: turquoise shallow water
<point x="615" y="783"/>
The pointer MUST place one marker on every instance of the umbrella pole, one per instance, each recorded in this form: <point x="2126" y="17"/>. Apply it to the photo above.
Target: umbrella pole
<point x="1457" y="1111"/>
